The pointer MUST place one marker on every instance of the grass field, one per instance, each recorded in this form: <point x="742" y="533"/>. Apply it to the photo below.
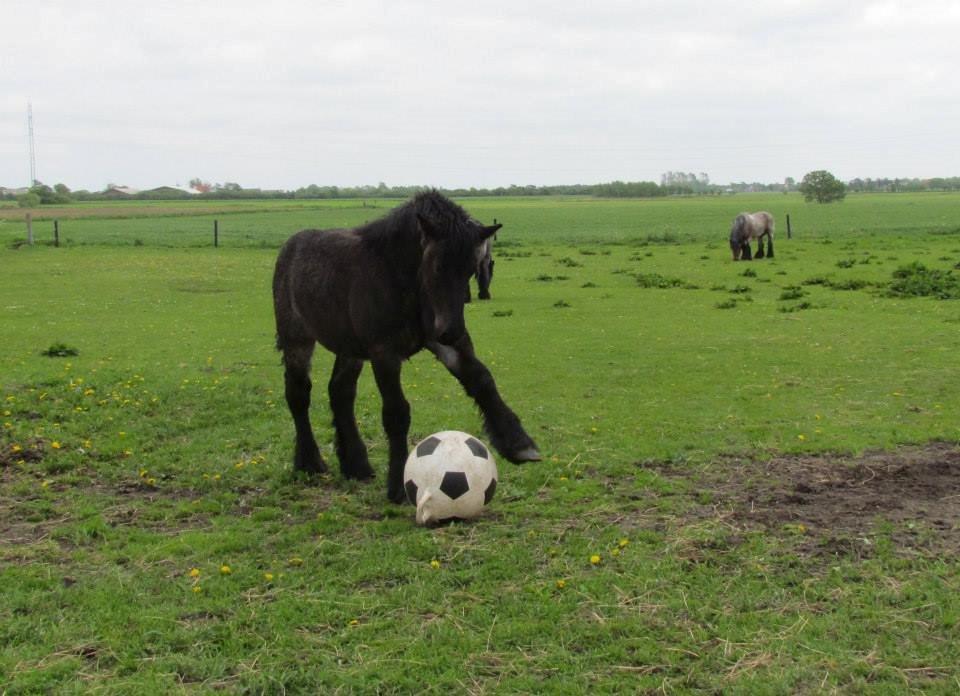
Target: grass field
<point x="528" y="220"/>
<point x="750" y="476"/>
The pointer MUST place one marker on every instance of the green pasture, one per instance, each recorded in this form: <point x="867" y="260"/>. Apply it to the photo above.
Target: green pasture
<point x="154" y="540"/>
<point x="530" y="220"/>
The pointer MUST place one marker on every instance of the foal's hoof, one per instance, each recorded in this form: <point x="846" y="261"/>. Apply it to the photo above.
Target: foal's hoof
<point x="397" y="495"/>
<point x="362" y="472"/>
<point x="310" y="463"/>
<point x="528" y="454"/>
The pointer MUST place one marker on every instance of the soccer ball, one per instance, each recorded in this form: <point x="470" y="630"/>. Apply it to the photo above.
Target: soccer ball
<point x="449" y="475"/>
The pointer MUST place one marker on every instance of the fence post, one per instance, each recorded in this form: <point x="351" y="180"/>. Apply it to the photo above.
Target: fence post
<point x="30" y="229"/>
<point x="789" y="231"/>
<point x="56" y="233"/>
<point x="216" y="233"/>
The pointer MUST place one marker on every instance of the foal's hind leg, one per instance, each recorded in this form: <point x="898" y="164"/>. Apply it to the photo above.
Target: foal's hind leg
<point x="769" y="246"/>
<point x="502" y="425"/>
<point x="396" y="421"/>
<point x="342" y="389"/>
<point x="296" y="377"/>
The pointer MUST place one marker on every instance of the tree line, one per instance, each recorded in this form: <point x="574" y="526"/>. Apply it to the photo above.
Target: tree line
<point x="671" y="184"/>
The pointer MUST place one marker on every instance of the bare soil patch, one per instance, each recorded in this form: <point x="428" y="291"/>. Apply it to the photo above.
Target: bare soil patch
<point x="839" y="505"/>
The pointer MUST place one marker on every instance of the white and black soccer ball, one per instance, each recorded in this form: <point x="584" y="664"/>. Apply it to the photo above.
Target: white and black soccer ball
<point x="449" y="475"/>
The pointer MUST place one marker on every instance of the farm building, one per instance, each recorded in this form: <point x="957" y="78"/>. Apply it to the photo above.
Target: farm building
<point x="169" y="192"/>
<point x="120" y="191"/>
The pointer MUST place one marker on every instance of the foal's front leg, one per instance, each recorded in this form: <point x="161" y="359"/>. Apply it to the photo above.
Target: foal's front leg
<point x="396" y="421"/>
<point x="502" y="425"/>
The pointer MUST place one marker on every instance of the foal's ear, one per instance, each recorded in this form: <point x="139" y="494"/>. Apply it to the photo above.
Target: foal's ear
<point x="427" y="228"/>
<point x="489" y="231"/>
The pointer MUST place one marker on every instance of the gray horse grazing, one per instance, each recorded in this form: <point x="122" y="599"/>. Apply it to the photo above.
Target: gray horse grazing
<point x="747" y="226"/>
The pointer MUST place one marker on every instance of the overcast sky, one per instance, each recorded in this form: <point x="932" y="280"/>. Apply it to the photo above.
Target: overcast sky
<point x="284" y="94"/>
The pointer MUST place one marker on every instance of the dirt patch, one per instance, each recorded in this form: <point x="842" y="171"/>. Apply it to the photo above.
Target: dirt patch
<point x="839" y="505"/>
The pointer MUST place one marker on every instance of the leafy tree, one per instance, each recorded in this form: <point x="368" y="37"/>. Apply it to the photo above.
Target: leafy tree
<point x="28" y="200"/>
<point x="51" y="196"/>
<point x="823" y="187"/>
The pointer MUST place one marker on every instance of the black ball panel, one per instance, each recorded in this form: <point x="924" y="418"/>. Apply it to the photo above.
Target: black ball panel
<point x="454" y="484"/>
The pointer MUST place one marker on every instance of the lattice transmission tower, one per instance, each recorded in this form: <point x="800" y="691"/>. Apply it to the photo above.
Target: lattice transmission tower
<point x="33" y="152"/>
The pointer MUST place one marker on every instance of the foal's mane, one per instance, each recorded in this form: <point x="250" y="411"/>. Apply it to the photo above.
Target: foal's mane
<point x="401" y="224"/>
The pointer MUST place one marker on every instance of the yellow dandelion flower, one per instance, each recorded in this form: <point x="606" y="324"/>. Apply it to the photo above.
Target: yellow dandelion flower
<point x="55" y="445"/>
<point x="561" y="584"/>
<point x="151" y="481"/>
<point x="16" y="448"/>
<point x="44" y="483"/>
<point x="268" y="577"/>
<point x="197" y="589"/>
<point x="143" y="473"/>
<point x="296" y="560"/>
<point x="595" y="559"/>
<point x="623" y="542"/>
<point x="216" y="477"/>
<point x="194" y="573"/>
<point x="225" y="569"/>
<point x="434" y="564"/>
<point x="354" y="622"/>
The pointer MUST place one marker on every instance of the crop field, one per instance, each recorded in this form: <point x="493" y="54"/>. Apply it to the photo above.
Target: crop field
<point x="751" y="475"/>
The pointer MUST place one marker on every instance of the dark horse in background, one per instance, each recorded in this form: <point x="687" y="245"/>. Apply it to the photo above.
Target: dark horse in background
<point x="382" y="292"/>
<point x="748" y="226"/>
<point x="484" y="267"/>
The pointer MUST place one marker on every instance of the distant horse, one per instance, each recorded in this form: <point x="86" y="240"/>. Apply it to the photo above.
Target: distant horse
<point x="382" y="292"/>
<point x="747" y="226"/>
<point x="484" y="268"/>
